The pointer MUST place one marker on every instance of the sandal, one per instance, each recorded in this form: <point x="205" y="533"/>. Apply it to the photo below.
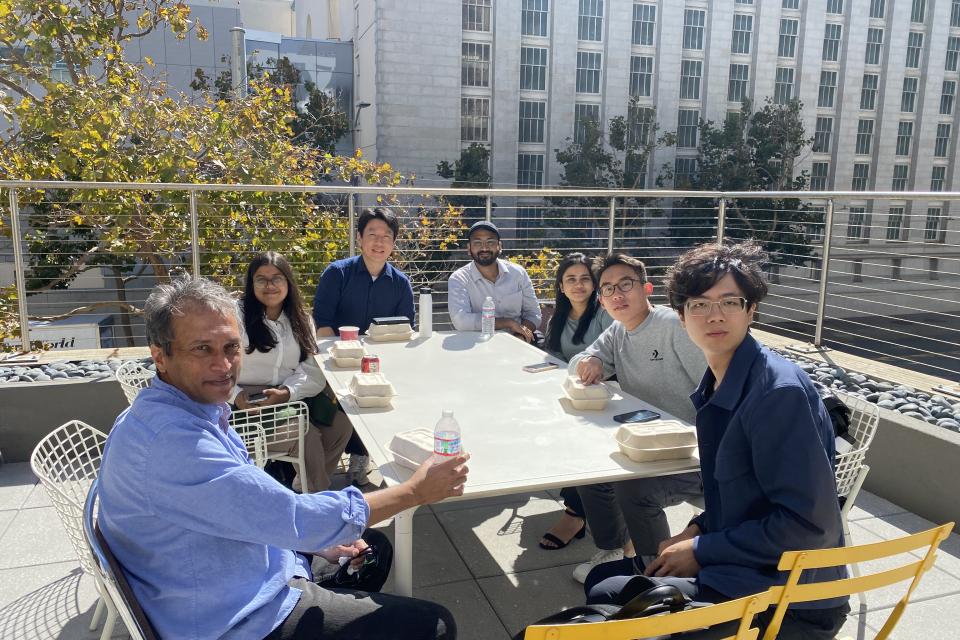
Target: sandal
<point x="560" y="544"/>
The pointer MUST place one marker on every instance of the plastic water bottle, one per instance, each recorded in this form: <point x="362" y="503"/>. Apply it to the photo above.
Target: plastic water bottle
<point x="446" y="436"/>
<point x="426" y="312"/>
<point x="488" y="318"/>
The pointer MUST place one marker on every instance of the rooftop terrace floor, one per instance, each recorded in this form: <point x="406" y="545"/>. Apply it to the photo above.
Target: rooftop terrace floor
<point x="478" y="558"/>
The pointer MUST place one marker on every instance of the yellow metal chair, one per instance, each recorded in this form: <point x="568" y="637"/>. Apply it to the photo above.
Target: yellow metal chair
<point x="797" y="561"/>
<point x="743" y="609"/>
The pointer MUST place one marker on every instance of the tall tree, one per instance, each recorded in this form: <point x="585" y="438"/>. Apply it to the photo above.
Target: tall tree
<point x="470" y="171"/>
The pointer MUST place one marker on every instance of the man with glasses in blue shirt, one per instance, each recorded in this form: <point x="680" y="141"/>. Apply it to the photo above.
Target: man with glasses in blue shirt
<point x="517" y="307"/>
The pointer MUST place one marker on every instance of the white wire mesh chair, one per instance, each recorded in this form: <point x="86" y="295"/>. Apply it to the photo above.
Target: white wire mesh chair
<point x="67" y="462"/>
<point x="269" y="432"/>
<point x="133" y="377"/>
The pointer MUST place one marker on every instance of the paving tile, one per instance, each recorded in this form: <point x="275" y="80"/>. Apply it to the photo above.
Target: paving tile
<point x="934" y="619"/>
<point x="476" y="619"/>
<point x="870" y="505"/>
<point x="37" y="498"/>
<point x="525" y="597"/>
<point x="6" y="517"/>
<point x="497" y="539"/>
<point x="857" y="624"/>
<point x="435" y="561"/>
<point x="948" y="555"/>
<point x="35" y="536"/>
<point x="511" y="499"/>
<point x="16" y="484"/>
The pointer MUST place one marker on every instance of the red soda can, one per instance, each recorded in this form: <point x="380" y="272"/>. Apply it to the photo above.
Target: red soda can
<point x="370" y="364"/>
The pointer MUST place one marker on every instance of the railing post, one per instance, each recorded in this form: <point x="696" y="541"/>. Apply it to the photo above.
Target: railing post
<point x="351" y="222"/>
<point x="194" y="234"/>
<point x="613" y="224"/>
<point x="824" y="273"/>
<point x="721" y="220"/>
<point x="19" y="270"/>
<point x="488" y="206"/>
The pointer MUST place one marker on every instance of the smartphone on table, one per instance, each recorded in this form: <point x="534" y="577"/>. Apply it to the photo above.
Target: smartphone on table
<point x="256" y="398"/>
<point x="641" y="415"/>
<point x="540" y="366"/>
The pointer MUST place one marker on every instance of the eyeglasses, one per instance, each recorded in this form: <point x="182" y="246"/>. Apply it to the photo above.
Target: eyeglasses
<point x="624" y="285"/>
<point x="277" y="281"/>
<point x="488" y="244"/>
<point x="728" y="306"/>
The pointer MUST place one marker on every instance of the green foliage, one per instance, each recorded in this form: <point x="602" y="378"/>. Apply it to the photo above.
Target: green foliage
<point x="469" y="171"/>
<point x="542" y="269"/>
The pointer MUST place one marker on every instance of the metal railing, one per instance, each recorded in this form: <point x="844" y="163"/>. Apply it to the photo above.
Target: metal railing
<point x="876" y="273"/>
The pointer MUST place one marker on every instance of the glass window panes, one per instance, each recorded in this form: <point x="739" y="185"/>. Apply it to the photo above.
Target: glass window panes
<point x="932" y="231"/>
<point x="588" y="71"/>
<point x="641" y="76"/>
<point x="787" y="47"/>
<point x="894" y="223"/>
<point x="529" y="169"/>
<point x="739" y="80"/>
<point x="955" y="13"/>
<point x="532" y="117"/>
<point x="744" y="2"/>
<point x="693" y="21"/>
<point x="868" y="93"/>
<point x="914" y="47"/>
<point x="475" y="65"/>
<point x="904" y="137"/>
<point x="690" y="73"/>
<point x="918" y="11"/>
<point x="529" y="219"/>
<point x="831" y="42"/>
<point x="688" y="121"/>
<point x="590" y="20"/>
<point x="533" y="17"/>
<point x="901" y="176"/>
<point x="822" y="135"/>
<point x="742" y="30"/>
<point x="644" y="21"/>
<point x="818" y="176"/>
<point x="685" y="170"/>
<point x="953" y="53"/>
<point x="783" y="85"/>
<point x="933" y="268"/>
<point x="877" y="8"/>
<point x="864" y="137"/>
<point x="861" y="175"/>
<point x="639" y="123"/>
<point x="947" y="95"/>
<point x="896" y="268"/>
<point x="476" y="15"/>
<point x="908" y="97"/>
<point x="835" y="6"/>
<point x="874" y="45"/>
<point x="791" y="4"/>
<point x="855" y="222"/>
<point x="937" y="177"/>
<point x="474" y="119"/>
<point x="942" y="142"/>
<point x="583" y="114"/>
<point x="828" y="89"/>
<point x="533" y="68"/>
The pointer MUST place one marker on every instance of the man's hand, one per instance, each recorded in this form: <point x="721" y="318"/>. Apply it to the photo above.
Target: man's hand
<point x="276" y="396"/>
<point x="434" y="481"/>
<point x="514" y="327"/>
<point x="242" y="401"/>
<point x="677" y="560"/>
<point x="333" y="554"/>
<point x="590" y="370"/>
<point x="689" y="533"/>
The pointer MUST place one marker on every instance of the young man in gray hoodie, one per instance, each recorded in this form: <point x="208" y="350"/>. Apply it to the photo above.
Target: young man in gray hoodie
<point x="653" y="359"/>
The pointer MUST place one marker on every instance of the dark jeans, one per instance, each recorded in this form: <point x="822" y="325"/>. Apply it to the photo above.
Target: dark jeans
<point x="355" y="446"/>
<point x="572" y="501"/>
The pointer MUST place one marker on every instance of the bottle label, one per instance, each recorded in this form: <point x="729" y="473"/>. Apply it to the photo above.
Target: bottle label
<point x="446" y="444"/>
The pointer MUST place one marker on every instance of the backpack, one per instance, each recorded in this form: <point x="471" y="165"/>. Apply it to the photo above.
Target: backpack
<point x="839" y="413"/>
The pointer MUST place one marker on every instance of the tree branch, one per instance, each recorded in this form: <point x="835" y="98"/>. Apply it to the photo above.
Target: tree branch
<point x="72" y="272"/>
<point x="125" y="306"/>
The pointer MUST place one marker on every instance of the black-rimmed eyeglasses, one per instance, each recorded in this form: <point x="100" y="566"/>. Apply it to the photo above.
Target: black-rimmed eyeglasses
<point x="624" y="285"/>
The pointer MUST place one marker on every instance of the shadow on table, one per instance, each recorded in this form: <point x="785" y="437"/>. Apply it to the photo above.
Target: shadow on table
<point x="462" y="341"/>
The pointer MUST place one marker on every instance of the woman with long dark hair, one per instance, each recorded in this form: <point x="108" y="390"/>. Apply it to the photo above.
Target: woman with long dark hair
<point x="278" y="350"/>
<point x="578" y="319"/>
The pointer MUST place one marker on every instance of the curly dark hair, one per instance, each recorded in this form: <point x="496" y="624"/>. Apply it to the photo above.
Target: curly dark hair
<point x="260" y="336"/>
<point x="700" y="268"/>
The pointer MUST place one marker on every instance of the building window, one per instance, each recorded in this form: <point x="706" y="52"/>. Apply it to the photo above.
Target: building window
<point x="639" y="122"/>
<point x="874" y="45"/>
<point x="688" y="121"/>
<point x="918" y="11"/>
<point x="529" y="169"/>
<point x="937" y="178"/>
<point x="831" y="42"/>
<point x="864" y="137"/>
<point x="835" y="6"/>
<point x="685" y="170"/>
<point x="953" y="53"/>
<point x="532" y="118"/>
<point x="933" y="264"/>
<point x="818" y="176"/>
<point x="641" y="76"/>
<point x="904" y="137"/>
<point x="790" y="4"/>
<point x="476" y="15"/>
<point x="908" y="97"/>
<point x="788" y="38"/>
<point x="739" y="80"/>
<point x="744" y="2"/>
<point x="693" y="20"/>
<point x="533" y="17"/>
<point x="590" y="24"/>
<point x="861" y="175"/>
<point x="529" y="218"/>
<point x="942" y="142"/>
<point x="855" y="223"/>
<point x="896" y="268"/>
<point x="947" y="95"/>
<point x="690" y="72"/>
<point x="822" y="135"/>
<point x="582" y="114"/>
<point x="901" y="176"/>
<point x="644" y="21"/>
<point x="474" y="119"/>
<point x="932" y="230"/>
<point x="783" y="85"/>
<point x="955" y="13"/>
<point x="475" y="65"/>
<point x="877" y="8"/>
<point x="828" y="89"/>
<point x="533" y="68"/>
<point x="857" y="274"/>
<point x="742" y="30"/>
<point x="894" y="223"/>
<point x="914" y="47"/>
<point x="588" y="71"/>
<point x="868" y="94"/>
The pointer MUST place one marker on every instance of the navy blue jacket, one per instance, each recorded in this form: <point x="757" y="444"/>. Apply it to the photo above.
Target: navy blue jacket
<point x="347" y="296"/>
<point x="767" y="455"/>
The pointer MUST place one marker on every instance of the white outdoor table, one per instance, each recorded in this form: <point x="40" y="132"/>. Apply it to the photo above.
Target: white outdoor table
<point x="521" y="432"/>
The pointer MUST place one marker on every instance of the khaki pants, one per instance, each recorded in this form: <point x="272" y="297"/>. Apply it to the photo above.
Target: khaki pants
<point x="323" y="445"/>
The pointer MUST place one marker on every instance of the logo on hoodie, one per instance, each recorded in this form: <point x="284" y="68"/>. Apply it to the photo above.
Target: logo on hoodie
<point x="655" y="356"/>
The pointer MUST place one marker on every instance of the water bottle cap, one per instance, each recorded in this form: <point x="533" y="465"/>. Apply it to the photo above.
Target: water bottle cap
<point x="447" y="413"/>
<point x="426" y="290"/>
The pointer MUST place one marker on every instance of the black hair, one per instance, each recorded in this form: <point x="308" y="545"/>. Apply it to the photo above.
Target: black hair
<point x="259" y="335"/>
<point x="602" y="263"/>
<point x="700" y="268"/>
<point x="563" y="306"/>
<point x="383" y="214"/>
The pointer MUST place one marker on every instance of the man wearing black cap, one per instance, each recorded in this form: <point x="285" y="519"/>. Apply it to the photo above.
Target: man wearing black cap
<point x="517" y="307"/>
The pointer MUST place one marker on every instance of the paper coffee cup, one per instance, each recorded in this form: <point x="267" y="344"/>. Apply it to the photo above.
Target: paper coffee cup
<point x="349" y="333"/>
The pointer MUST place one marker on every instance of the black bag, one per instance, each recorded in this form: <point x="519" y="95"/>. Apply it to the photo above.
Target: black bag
<point x="839" y="412"/>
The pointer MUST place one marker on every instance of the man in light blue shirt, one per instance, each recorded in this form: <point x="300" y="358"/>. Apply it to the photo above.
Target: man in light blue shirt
<point x="517" y="307"/>
<point x="207" y="540"/>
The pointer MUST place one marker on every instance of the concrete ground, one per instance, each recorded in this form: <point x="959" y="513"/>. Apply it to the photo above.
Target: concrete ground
<point x="478" y="558"/>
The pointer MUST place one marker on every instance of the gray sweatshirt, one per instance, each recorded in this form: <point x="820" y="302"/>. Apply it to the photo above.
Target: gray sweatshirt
<point x="655" y="362"/>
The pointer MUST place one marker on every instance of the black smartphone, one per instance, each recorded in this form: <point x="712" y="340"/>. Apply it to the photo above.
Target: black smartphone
<point x="642" y="415"/>
<point x="540" y="366"/>
<point x="254" y="398"/>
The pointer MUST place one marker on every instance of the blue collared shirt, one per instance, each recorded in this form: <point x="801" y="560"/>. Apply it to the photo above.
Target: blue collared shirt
<point x="347" y="295"/>
<point x="766" y="451"/>
<point x="204" y="536"/>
